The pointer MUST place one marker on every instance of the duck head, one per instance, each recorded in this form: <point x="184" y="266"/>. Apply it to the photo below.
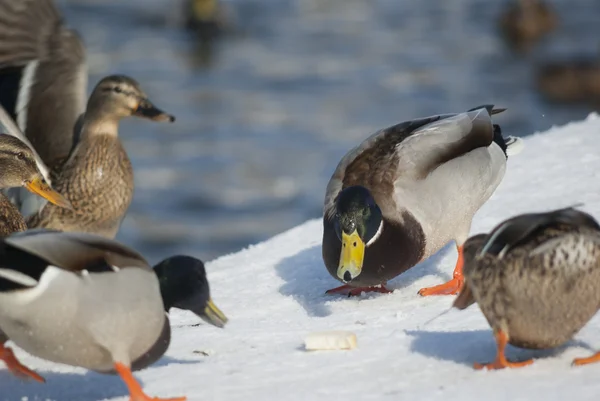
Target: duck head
<point x="120" y="96"/>
<point x="18" y="168"/>
<point x="358" y="222"/>
<point x="183" y="285"/>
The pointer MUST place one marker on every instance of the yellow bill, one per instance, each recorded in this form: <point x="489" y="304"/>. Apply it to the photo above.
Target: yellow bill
<point x="351" y="257"/>
<point x="39" y="186"/>
<point x="213" y="315"/>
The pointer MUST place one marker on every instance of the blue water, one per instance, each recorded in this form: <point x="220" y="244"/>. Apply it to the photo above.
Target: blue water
<point x="261" y="124"/>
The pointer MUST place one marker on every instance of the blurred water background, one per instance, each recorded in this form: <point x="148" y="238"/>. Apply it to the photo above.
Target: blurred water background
<point x="265" y="115"/>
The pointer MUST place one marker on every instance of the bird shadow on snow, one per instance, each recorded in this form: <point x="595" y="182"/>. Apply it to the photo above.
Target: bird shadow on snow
<point x="467" y="347"/>
<point x="90" y="386"/>
<point x="306" y="279"/>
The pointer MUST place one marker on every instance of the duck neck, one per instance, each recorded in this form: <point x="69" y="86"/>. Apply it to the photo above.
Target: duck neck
<point x="99" y="124"/>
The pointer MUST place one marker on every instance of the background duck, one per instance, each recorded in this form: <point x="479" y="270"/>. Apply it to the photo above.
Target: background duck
<point x="525" y="22"/>
<point x="43" y="81"/>
<point x="18" y="168"/>
<point x="116" y="303"/>
<point x="405" y="192"/>
<point x="535" y="277"/>
<point x="576" y="80"/>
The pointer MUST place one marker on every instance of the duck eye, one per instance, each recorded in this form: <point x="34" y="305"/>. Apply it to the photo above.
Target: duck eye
<point x="21" y="156"/>
<point x="118" y="89"/>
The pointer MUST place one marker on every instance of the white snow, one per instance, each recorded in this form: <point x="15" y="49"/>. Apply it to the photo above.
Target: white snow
<point x="273" y="294"/>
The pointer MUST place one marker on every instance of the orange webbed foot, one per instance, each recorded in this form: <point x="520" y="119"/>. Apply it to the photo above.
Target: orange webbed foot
<point x="453" y="286"/>
<point x="356" y="291"/>
<point x="18" y="369"/>
<point x="135" y="390"/>
<point x="501" y="362"/>
<point x="586" y="361"/>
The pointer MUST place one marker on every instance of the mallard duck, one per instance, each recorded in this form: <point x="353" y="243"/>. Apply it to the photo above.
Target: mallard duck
<point x="526" y="21"/>
<point x="535" y="277"/>
<point x="87" y="301"/>
<point x="572" y="81"/>
<point x="208" y="18"/>
<point x="97" y="178"/>
<point x="89" y="164"/>
<point x="408" y="190"/>
<point x="18" y="168"/>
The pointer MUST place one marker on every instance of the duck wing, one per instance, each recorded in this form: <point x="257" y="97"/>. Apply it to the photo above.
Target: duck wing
<point x="25" y="256"/>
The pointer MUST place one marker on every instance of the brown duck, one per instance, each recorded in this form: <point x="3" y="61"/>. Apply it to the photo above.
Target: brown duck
<point x="407" y="191"/>
<point x="18" y="168"/>
<point x="525" y="22"/>
<point x="43" y="84"/>
<point x="535" y="277"/>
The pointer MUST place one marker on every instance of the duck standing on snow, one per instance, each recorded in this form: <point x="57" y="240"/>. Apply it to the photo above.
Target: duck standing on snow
<point x="43" y="82"/>
<point x="18" y="168"/>
<point x="535" y="277"/>
<point x="405" y="192"/>
<point x="83" y="300"/>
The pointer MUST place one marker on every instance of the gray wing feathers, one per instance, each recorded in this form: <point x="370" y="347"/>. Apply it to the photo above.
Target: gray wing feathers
<point x="73" y="251"/>
<point x="441" y="141"/>
<point x="26" y="27"/>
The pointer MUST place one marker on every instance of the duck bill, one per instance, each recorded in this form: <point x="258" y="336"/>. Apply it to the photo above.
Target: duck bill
<point x="213" y="315"/>
<point x="39" y="186"/>
<point x="147" y="110"/>
<point x="351" y="257"/>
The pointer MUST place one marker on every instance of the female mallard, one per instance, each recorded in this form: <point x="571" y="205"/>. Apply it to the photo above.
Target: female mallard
<point x="83" y="300"/>
<point x="535" y="277"/>
<point x="43" y="84"/>
<point x="526" y="21"/>
<point x="18" y="168"/>
<point x="405" y="192"/>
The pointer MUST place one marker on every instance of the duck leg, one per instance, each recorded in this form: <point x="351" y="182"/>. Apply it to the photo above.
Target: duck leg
<point x="451" y="287"/>
<point x="585" y="361"/>
<point x="17" y="369"/>
<point x="356" y="291"/>
<point x="135" y="390"/>
<point x="501" y="362"/>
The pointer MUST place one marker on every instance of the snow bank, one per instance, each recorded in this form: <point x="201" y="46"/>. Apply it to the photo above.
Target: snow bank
<point x="273" y="294"/>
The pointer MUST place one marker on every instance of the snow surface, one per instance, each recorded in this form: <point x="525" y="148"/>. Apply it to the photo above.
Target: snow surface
<point x="273" y="294"/>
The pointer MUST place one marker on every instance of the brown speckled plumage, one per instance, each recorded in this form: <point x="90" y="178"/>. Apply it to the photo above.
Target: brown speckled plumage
<point x="97" y="177"/>
<point x="98" y="181"/>
<point x="537" y="280"/>
<point x="11" y="220"/>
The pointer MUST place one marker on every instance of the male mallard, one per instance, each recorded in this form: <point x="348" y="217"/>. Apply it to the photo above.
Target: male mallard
<point x="84" y="300"/>
<point x="405" y="192"/>
<point x="526" y="21"/>
<point x="18" y="168"/>
<point x="535" y="277"/>
<point x="43" y="81"/>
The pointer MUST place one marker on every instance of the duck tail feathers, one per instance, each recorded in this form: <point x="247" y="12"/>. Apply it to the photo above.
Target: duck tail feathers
<point x="25" y="27"/>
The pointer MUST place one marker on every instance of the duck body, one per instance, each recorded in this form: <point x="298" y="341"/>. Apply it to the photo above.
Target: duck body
<point x="418" y="183"/>
<point x="80" y="317"/>
<point x="84" y="300"/>
<point x="525" y="22"/>
<point x="535" y="278"/>
<point x="98" y="181"/>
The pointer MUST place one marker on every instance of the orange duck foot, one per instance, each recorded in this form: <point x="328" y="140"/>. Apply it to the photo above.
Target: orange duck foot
<point x="356" y="291"/>
<point x="17" y="369"/>
<point x="501" y="362"/>
<point x="135" y="390"/>
<point x="586" y="361"/>
<point x="453" y="286"/>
